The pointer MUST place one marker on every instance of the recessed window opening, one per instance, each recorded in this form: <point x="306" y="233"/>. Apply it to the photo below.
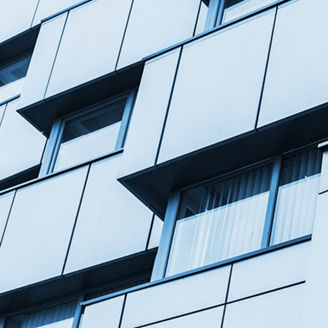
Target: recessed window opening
<point x="59" y="316"/>
<point x="253" y="209"/>
<point x="14" y="70"/>
<point x="92" y="133"/>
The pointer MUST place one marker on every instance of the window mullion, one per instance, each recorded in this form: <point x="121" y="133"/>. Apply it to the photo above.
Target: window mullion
<point x="51" y="149"/>
<point x="215" y="9"/>
<point x="271" y="202"/>
<point x="166" y="237"/>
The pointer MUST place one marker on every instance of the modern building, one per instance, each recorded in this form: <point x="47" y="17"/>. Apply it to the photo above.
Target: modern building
<point x="163" y="163"/>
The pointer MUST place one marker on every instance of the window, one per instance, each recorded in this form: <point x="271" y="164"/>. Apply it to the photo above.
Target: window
<point x="91" y="133"/>
<point x="246" y="211"/>
<point x="14" y="70"/>
<point x="223" y="11"/>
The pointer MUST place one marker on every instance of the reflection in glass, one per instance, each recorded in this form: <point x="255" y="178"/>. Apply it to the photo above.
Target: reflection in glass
<point x="60" y="316"/>
<point x="221" y="220"/>
<point x="297" y="196"/>
<point x="237" y="8"/>
<point x="90" y="135"/>
<point x="14" y="70"/>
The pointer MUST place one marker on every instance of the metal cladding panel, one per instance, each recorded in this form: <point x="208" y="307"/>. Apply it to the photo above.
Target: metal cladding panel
<point x="15" y="17"/>
<point x="112" y="223"/>
<point x="269" y="271"/>
<point x="39" y="230"/>
<point x="41" y="64"/>
<point x="22" y="150"/>
<point x="218" y="86"/>
<point x="297" y="76"/>
<point x="155" y="25"/>
<point x="89" y="50"/>
<point x="175" y="298"/>
<point x="282" y="308"/>
<point x="149" y="113"/>
<point x="47" y="8"/>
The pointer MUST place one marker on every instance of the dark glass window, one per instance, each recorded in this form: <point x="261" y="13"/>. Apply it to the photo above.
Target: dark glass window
<point x="14" y="70"/>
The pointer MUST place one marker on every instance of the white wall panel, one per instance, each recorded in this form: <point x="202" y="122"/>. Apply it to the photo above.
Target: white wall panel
<point x="149" y="113"/>
<point x="156" y="232"/>
<point x="269" y="271"/>
<point x="176" y="297"/>
<point x="89" y="50"/>
<point x="205" y="319"/>
<point x="15" y="17"/>
<point x="39" y="230"/>
<point x="21" y="145"/>
<point x="5" y="204"/>
<point x="297" y="77"/>
<point x="11" y="90"/>
<point x="47" y="8"/>
<point x="281" y="309"/>
<point x="104" y="314"/>
<point x="155" y="25"/>
<point x="112" y="223"/>
<point x="42" y="61"/>
<point x="315" y="309"/>
<point x="218" y="86"/>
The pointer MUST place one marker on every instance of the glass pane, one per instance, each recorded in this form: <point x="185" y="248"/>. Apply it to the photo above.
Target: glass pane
<point x="60" y="316"/>
<point x="220" y="220"/>
<point x="237" y="8"/>
<point x="297" y="196"/>
<point x="14" y="70"/>
<point x="90" y="135"/>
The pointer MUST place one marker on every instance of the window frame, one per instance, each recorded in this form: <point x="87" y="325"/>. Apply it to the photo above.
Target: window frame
<point x="54" y="141"/>
<point x="174" y="202"/>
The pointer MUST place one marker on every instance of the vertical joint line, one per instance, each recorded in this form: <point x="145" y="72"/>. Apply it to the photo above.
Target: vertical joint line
<point x="150" y="231"/>
<point x="197" y="18"/>
<point x="54" y="62"/>
<point x="36" y="10"/>
<point x="266" y="68"/>
<point x="123" y="36"/>
<point x="227" y="295"/>
<point x="76" y="218"/>
<point x="7" y="220"/>
<point x="122" y="312"/>
<point x="168" y="105"/>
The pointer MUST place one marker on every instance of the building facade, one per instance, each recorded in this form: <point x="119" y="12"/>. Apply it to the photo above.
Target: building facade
<point x="163" y="163"/>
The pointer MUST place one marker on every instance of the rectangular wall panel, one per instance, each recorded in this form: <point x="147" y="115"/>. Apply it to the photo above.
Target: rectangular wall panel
<point x="270" y="271"/>
<point x="15" y="17"/>
<point x="177" y="297"/>
<point x="297" y="77"/>
<point x="89" y="50"/>
<point x="281" y="309"/>
<point x="104" y="314"/>
<point x="43" y="57"/>
<point x="155" y="234"/>
<point x="5" y="205"/>
<point x="112" y="223"/>
<point x="21" y="145"/>
<point x="47" y="8"/>
<point x="217" y="91"/>
<point x="155" y="25"/>
<point x="204" y="319"/>
<point x="149" y="113"/>
<point x="39" y="230"/>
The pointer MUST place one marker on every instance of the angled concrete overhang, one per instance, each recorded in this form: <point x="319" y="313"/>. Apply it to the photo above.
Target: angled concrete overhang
<point x="153" y="185"/>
